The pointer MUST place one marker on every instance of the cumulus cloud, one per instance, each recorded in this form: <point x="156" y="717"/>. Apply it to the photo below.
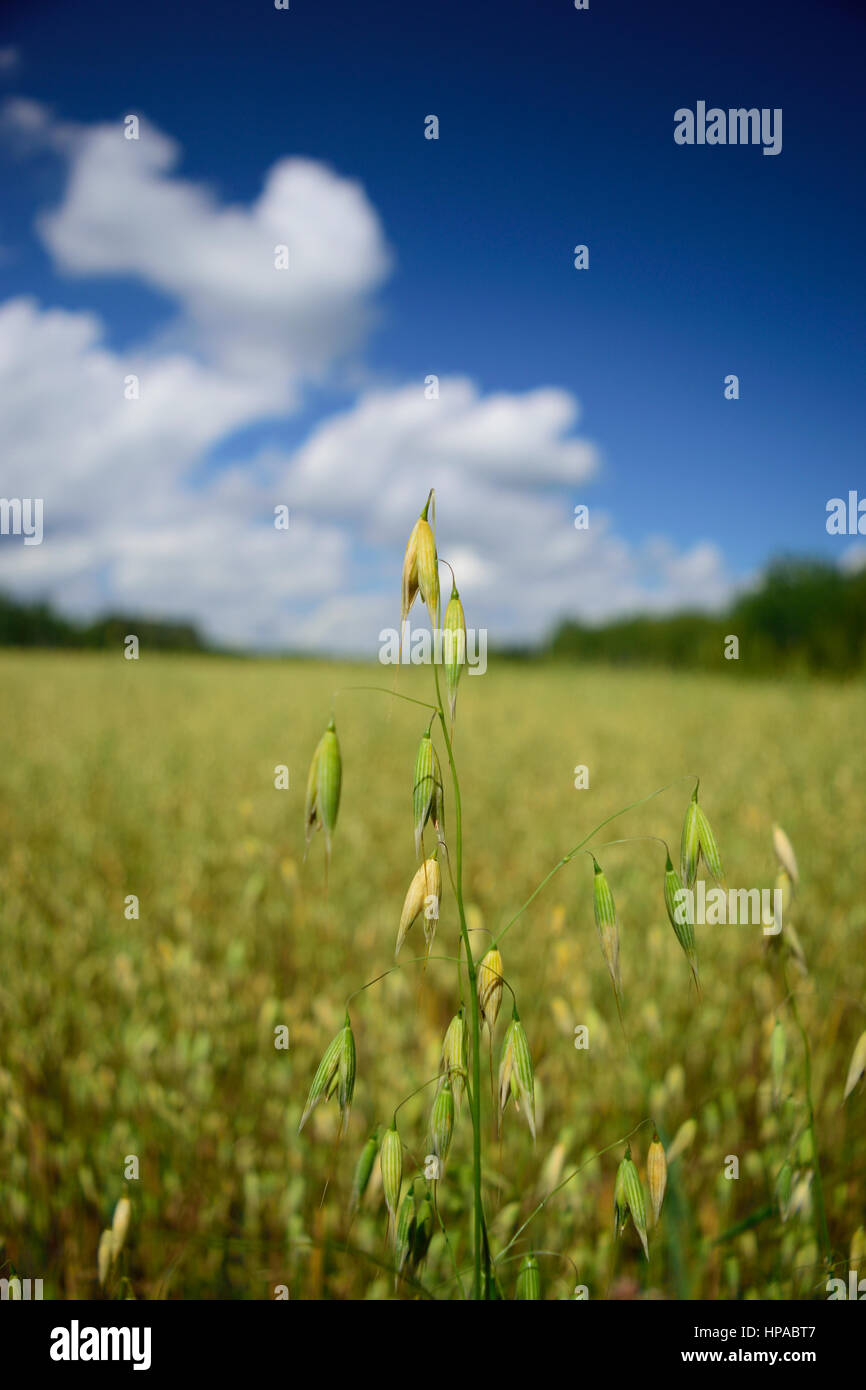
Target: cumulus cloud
<point x="137" y="516"/>
<point x="126" y="211"/>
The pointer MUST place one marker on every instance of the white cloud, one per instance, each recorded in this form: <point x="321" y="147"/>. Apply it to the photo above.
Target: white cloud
<point x="136" y="518"/>
<point x="126" y="211"/>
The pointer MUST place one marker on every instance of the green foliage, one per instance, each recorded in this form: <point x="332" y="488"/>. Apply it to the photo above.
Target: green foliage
<point x="805" y="616"/>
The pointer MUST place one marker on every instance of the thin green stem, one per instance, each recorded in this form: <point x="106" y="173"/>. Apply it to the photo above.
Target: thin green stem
<point x="818" y="1186"/>
<point x="560" y="1185"/>
<point x="566" y="858"/>
<point x="475" y="1093"/>
<point x="382" y="690"/>
<point x="413" y="960"/>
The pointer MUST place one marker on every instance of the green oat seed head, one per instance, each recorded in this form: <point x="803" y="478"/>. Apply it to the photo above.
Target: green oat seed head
<point x="423" y="1229"/>
<point x="680" y="917"/>
<point x="391" y="1167"/>
<point x="404" y="1233"/>
<point x="528" y="1280"/>
<point x="698" y="842"/>
<point x="608" y="928"/>
<point x="442" y="1123"/>
<point x="454" y="1062"/>
<point x="515" y="1073"/>
<point x="453" y="646"/>
<point x="628" y="1199"/>
<point x="489" y="986"/>
<point x="427" y="791"/>
<point x="335" y="1072"/>
<point x="323" y="788"/>
<point x="364" y="1169"/>
<point x="690" y="848"/>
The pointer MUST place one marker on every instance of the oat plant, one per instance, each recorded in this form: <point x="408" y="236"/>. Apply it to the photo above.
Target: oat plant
<point x="411" y="1196"/>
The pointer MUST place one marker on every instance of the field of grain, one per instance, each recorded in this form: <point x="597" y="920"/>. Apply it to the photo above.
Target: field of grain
<point x="155" y="1037"/>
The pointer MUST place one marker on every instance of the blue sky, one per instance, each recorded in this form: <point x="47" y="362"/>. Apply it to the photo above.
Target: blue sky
<point x="451" y="257"/>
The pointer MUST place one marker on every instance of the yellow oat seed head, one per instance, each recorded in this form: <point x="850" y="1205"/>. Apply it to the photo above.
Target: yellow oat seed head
<point x="453" y="647"/>
<point x="423" y="895"/>
<point x="683" y="1139"/>
<point x="420" y="570"/>
<point x="785" y="853"/>
<point x="857" y="1066"/>
<point x="657" y="1175"/>
<point x="103" y="1257"/>
<point x="120" y="1225"/>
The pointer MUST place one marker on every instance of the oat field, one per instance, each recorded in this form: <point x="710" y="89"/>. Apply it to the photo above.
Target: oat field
<point x="153" y="1037"/>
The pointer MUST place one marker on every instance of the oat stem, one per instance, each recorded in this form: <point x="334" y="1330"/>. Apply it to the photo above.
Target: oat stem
<point x="566" y="858"/>
<point x="475" y="1092"/>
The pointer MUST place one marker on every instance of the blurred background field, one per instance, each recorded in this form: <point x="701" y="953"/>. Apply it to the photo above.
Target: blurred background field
<point x="155" y="1037"/>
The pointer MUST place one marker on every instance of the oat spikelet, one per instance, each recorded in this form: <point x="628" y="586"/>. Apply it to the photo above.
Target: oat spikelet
<point x="103" y="1257"/>
<point x="335" y="1072"/>
<point x="454" y="1063"/>
<point x="628" y="1199"/>
<point x="420" y="570"/>
<point x="364" y="1170"/>
<point x="857" y="1066"/>
<point x="323" y="788"/>
<point x="515" y="1073"/>
<point x="785" y="854"/>
<point x="683" y="1139"/>
<point x="428" y="801"/>
<point x="608" y="928"/>
<point x="453" y="647"/>
<point x="391" y="1168"/>
<point x="120" y="1226"/>
<point x="657" y="1175"/>
<point x="680" y="917"/>
<point x="442" y="1124"/>
<point x="698" y="843"/>
<point x="423" y="895"/>
<point x="489" y="984"/>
